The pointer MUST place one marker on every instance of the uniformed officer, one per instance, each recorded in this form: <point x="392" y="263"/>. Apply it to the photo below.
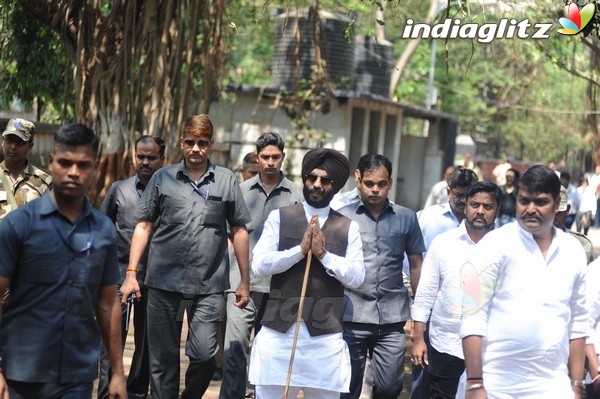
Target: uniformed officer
<point x="20" y="181"/>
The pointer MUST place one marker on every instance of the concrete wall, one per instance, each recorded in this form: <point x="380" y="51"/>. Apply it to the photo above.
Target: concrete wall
<point x="356" y="126"/>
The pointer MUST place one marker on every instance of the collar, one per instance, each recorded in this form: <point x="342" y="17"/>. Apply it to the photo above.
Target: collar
<point x="29" y="170"/>
<point x="137" y="183"/>
<point x="362" y="208"/>
<point x="528" y="239"/>
<point x="209" y="174"/>
<point x="320" y="212"/>
<point x="447" y="212"/>
<point x="463" y="233"/>
<point x="256" y="183"/>
<point x="48" y="207"/>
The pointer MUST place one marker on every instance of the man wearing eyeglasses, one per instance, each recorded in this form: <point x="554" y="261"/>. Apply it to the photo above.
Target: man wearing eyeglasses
<point x="20" y="181"/>
<point x="377" y="310"/>
<point x="119" y="205"/>
<point x="321" y="364"/>
<point x="183" y="216"/>
<point x="433" y="221"/>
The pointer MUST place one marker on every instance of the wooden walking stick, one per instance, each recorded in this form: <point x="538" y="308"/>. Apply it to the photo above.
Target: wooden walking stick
<point x="298" y="320"/>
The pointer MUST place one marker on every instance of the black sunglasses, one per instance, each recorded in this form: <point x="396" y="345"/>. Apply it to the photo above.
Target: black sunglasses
<point x="325" y="181"/>
<point x="199" y="143"/>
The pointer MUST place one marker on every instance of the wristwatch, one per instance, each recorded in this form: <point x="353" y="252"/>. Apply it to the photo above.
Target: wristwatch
<point x="578" y="383"/>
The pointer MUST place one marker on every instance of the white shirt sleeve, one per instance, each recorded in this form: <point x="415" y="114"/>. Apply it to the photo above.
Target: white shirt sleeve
<point x="593" y="300"/>
<point x="580" y="317"/>
<point x="429" y="285"/>
<point x="267" y="260"/>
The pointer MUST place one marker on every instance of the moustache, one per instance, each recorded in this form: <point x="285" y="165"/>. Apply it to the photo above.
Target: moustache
<point x="535" y="217"/>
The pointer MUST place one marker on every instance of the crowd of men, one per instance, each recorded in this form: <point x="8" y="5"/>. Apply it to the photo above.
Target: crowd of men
<point x="322" y="280"/>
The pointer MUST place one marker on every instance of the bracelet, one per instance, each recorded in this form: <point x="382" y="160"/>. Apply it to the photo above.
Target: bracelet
<point x="321" y="255"/>
<point x="473" y="387"/>
<point x="578" y="383"/>
<point x="475" y="379"/>
<point x="132" y="269"/>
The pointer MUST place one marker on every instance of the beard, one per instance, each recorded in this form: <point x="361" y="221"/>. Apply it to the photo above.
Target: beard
<point x="317" y="197"/>
<point x="485" y="227"/>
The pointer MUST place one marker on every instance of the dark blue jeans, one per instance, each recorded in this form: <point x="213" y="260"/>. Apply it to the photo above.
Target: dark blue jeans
<point x="386" y="344"/>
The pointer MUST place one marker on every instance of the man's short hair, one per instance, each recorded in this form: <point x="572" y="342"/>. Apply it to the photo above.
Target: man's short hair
<point x="485" y="186"/>
<point x="565" y="175"/>
<point x="159" y="142"/>
<point x="76" y="134"/>
<point x="198" y="125"/>
<point x="372" y="162"/>
<point x="250" y="158"/>
<point x="462" y="177"/>
<point x="540" y="179"/>
<point x="267" y="139"/>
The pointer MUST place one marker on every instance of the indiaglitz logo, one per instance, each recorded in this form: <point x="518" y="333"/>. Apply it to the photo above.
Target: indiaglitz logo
<point x="578" y="19"/>
<point x="505" y="28"/>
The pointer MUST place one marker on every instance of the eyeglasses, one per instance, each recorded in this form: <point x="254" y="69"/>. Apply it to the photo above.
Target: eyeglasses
<point x="12" y="139"/>
<point x="325" y="181"/>
<point x="458" y="196"/>
<point x="371" y="184"/>
<point x="199" y="143"/>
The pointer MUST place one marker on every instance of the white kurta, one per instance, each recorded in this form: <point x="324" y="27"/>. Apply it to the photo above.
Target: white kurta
<point x="439" y="293"/>
<point x="321" y="362"/>
<point x="527" y="308"/>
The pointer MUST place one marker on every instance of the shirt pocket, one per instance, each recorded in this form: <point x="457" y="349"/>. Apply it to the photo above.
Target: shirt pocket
<point x="397" y="244"/>
<point x="175" y="212"/>
<point x="214" y="214"/>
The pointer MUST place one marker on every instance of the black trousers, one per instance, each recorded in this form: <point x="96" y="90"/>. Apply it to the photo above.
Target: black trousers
<point x="138" y="380"/>
<point x="444" y="373"/>
<point x="34" y="390"/>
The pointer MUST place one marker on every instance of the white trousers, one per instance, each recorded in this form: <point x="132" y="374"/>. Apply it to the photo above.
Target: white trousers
<point x="277" y="391"/>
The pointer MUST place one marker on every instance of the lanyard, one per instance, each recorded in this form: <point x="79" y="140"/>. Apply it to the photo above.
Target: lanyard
<point x="197" y="189"/>
<point x="88" y="245"/>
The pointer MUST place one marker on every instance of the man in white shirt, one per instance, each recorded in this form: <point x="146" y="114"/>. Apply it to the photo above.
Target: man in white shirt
<point x="524" y="322"/>
<point x="291" y="234"/>
<point x="439" y="288"/>
<point x="435" y="220"/>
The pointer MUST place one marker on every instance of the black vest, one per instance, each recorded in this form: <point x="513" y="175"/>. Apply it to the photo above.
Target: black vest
<point x="324" y="301"/>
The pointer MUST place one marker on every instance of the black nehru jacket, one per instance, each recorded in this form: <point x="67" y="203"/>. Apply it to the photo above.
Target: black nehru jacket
<point x="324" y="303"/>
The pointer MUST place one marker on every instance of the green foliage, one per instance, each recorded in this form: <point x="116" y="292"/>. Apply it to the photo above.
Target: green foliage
<point x="32" y="61"/>
<point x="510" y="93"/>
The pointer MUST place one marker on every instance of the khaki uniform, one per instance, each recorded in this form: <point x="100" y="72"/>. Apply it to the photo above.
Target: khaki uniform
<point x="31" y="184"/>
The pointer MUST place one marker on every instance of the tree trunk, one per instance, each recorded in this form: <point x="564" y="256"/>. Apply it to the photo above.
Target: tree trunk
<point x="134" y="66"/>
